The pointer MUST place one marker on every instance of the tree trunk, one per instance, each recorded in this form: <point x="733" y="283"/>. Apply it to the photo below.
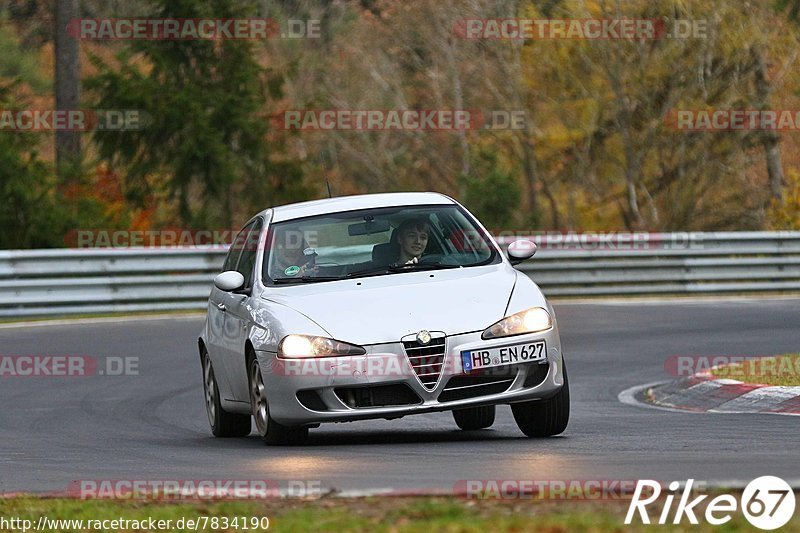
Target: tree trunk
<point x="68" y="87"/>
<point x="769" y="139"/>
<point x="772" y="151"/>
<point x="458" y="97"/>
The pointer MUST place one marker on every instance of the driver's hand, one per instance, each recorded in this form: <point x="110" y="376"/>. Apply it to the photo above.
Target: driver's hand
<point x="308" y="270"/>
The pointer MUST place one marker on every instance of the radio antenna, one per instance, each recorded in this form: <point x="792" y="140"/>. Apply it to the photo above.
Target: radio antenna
<point x="328" y="183"/>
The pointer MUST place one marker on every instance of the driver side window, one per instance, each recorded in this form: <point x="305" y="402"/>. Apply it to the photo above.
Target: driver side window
<point x="235" y="251"/>
<point x="247" y="260"/>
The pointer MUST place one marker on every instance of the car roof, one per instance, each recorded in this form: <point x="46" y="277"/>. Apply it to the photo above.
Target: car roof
<point x="352" y="203"/>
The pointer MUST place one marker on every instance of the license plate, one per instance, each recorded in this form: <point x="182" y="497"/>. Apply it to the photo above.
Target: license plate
<point x="503" y="355"/>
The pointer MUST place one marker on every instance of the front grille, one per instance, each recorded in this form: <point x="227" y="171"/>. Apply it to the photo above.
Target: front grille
<point x="377" y="395"/>
<point x="474" y="384"/>
<point x="426" y="360"/>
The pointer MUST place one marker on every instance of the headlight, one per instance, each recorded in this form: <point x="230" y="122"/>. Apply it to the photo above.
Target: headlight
<point x="303" y="346"/>
<point x="528" y="321"/>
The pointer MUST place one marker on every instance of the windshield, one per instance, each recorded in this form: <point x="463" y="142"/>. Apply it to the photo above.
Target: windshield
<point x="374" y="242"/>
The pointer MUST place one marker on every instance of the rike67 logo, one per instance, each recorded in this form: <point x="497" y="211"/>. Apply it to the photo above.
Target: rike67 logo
<point x="767" y="502"/>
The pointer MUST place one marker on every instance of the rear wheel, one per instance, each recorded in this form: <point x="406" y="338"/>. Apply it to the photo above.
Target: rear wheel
<point x="544" y="418"/>
<point x="473" y="418"/>
<point x="271" y="432"/>
<point x="223" y="423"/>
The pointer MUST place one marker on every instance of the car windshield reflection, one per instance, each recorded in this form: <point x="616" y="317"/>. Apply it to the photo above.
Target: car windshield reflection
<point x="374" y="242"/>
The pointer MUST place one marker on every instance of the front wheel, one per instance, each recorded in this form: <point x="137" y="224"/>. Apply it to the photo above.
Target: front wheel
<point x="472" y="418"/>
<point x="223" y="423"/>
<point x="271" y="432"/>
<point x="544" y="418"/>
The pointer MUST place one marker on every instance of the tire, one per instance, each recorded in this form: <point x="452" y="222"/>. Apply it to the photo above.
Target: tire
<point x="473" y="418"/>
<point x="223" y="423"/>
<point x="271" y="432"/>
<point x="544" y="418"/>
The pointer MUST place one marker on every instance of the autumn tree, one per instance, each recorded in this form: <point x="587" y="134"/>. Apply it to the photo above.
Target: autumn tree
<point x="205" y="142"/>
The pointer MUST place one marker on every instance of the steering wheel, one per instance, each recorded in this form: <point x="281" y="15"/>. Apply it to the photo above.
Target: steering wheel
<point x="431" y="259"/>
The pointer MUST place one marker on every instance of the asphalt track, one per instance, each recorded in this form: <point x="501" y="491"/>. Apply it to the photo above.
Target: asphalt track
<point x="153" y="426"/>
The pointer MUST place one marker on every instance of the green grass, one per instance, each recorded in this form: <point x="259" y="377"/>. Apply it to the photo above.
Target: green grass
<point x="778" y="370"/>
<point x="400" y="514"/>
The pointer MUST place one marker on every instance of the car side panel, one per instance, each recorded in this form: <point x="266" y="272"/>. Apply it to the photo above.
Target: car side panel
<point x="232" y="345"/>
<point x="216" y="339"/>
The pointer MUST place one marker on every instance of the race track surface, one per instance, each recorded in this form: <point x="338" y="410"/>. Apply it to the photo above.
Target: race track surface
<point x="153" y="426"/>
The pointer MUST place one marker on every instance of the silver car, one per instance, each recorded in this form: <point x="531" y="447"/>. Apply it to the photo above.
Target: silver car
<point x="377" y="306"/>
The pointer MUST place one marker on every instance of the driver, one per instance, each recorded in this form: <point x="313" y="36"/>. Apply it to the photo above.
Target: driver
<point x="412" y="238"/>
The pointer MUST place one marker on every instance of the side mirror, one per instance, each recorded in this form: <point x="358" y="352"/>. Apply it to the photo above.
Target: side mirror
<point x="521" y="250"/>
<point x="229" y="281"/>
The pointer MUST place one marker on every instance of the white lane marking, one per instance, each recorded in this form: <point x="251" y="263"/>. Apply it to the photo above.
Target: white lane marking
<point x="628" y="397"/>
<point x="703" y="386"/>
<point x="727" y="381"/>
<point x="100" y="320"/>
<point x="760" y="399"/>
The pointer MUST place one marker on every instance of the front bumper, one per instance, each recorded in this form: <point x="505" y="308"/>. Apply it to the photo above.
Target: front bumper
<point x="343" y="389"/>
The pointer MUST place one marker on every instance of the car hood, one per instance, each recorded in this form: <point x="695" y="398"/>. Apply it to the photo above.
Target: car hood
<point x="380" y="309"/>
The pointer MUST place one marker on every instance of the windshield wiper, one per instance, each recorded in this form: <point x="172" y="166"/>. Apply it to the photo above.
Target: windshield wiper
<point x="367" y="272"/>
<point x="419" y="266"/>
<point x="395" y="267"/>
<point x="305" y="279"/>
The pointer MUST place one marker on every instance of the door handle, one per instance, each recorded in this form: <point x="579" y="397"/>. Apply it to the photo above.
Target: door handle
<point x="221" y="307"/>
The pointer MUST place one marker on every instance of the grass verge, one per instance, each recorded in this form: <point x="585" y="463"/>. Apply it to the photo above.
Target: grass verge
<point x="777" y="370"/>
<point x="375" y="514"/>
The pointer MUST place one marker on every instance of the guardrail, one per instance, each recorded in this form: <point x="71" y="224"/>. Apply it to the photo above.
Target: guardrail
<point x="667" y="263"/>
<point x="86" y="281"/>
